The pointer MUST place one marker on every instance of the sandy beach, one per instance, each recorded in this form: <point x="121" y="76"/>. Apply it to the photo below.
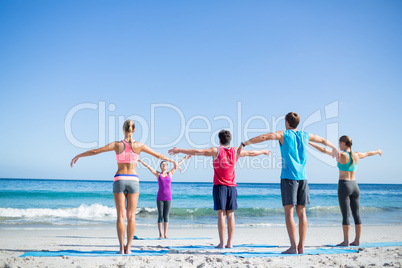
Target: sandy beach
<point x="14" y="242"/>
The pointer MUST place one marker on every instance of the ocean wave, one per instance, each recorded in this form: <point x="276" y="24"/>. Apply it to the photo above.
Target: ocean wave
<point x="95" y="214"/>
<point x="82" y="212"/>
<point x="99" y="211"/>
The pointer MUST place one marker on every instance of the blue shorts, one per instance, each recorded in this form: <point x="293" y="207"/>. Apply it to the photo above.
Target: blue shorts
<point x="225" y="197"/>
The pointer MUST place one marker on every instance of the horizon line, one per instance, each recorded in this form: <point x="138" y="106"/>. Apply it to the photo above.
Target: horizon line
<point x="96" y="180"/>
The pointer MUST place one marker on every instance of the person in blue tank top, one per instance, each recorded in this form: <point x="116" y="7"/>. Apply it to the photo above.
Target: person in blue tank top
<point x="348" y="190"/>
<point x="294" y="186"/>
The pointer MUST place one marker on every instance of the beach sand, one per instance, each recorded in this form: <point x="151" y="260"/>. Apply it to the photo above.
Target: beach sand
<point x="15" y="242"/>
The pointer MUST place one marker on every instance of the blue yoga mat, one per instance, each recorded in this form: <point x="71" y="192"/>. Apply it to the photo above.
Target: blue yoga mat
<point x="93" y="253"/>
<point x="200" y="247"/>
<point x="279" y="254"/>
<point x="174" y="238"/>
<point x="371" y="245"/>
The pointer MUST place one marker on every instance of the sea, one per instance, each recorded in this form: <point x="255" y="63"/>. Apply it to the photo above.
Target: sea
<point x="37" y="203"/>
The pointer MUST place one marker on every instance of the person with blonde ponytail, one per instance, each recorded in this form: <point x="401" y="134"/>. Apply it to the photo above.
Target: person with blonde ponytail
<point x="126" y="188"/>
<point x="348" y="190"/>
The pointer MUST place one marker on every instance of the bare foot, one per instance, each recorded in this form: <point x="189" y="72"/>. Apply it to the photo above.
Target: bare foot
<point x="121" y="251"/>
<point x="166" y="236"/>
<point x="300" y="249"/>
<point x="219" y="246"/>
<point x="355" y="243"/>
<point x="127" y="250"/>
<point x="343" y="244"/>
<point x="229" y="246"/>
<point x="290" y="251"/>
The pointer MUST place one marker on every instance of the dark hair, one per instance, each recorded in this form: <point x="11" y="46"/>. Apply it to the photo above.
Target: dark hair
<point x="160" y="165"/>
<point x="224" y="137"/>
<point x="293" y="119"/>
<point x="129" y="126"/>
<point x="348" y="143"/>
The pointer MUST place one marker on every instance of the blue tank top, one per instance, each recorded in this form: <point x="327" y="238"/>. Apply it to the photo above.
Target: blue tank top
<point x="348" y="166"/>
<point x="294" y="154"/>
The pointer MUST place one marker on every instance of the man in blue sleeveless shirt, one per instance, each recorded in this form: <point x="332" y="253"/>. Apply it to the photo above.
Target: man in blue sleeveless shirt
<point x="294" y="186"/>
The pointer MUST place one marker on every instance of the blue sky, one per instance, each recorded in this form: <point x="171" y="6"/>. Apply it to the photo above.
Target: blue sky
<point x="259" y="59"/>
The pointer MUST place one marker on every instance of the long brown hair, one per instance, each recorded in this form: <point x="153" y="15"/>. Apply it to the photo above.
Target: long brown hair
<point x="348" y="143"/>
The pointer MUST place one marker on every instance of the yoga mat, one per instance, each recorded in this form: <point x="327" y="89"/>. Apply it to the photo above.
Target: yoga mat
<point x="279" y="254"/>
<point x="371" y="245"/>
<point x="213" y="247"/>
<point x="174" y="238"/>
<point x="93" y="253"/>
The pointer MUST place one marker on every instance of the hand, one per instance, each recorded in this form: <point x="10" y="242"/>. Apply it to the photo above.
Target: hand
<point x="267" y="152"/>
<point x="173" y="151"/>
<point x="187" y="156"/>
<point x="176" y="165"/>
<point x="74" y="161"/>
<point x="379" y="152"/>
<point x="239" y="150"/>
<point x="335" y="154"/>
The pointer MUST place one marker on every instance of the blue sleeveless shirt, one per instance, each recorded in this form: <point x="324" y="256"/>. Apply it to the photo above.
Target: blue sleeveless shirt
<point x="294" y="154"/>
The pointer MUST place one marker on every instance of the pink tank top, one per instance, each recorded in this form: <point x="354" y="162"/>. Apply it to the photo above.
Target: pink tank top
<point x="164" y="192"/>
<point x="224" y="166"/>
<point x="128" y="155"/>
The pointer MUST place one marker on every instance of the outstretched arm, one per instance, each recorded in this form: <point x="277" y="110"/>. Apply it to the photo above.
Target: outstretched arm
<point x="155" y="172"/>
<point x="160" y="156"/>
<point x="213" y="151"/>
<point x="173" y="170"/>
<point x="107" y="148"/>
<point x="254" y="152"/>
<point x="318" y="139"/>
<point x="264" y="137"/>
<point x="370" y="153"/>
<point x="321" y="149"/>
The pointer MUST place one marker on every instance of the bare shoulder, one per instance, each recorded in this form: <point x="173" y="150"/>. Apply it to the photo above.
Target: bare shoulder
<point x="137" y="147"/>
<point x="115" y="144"/>
<point x="138" y="144"/>
<point x="344" y="158"/>
<point x="279" y="134"/>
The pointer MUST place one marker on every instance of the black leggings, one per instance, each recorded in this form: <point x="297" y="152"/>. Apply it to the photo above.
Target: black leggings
<point x="163" y="210"/>
<point x="349" y="199"/>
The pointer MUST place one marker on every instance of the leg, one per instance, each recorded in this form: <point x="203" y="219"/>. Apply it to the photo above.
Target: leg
<point x="345" y="230"/>
<point x="355" y="207"/>
<point x="301" y="213"/>
<point x="120" y="202"/>
<point x="221" y="227"/>
<point x="219" y="194"/>
<point x="132" y="201"/>
<point x="291" y="228"/>
<point x="303" y="200"/>
<point x="344" y="204"/>
<point x="159" y="205"/>
<point x="231" y="227"/>
<point x="358" y="229"/>
<point x="289" y="200"/>
<point x="166" y="211"/>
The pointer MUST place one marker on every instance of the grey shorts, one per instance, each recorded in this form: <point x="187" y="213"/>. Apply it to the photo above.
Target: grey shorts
<point x="126" y="186"/>
<point x="295" y="192"/>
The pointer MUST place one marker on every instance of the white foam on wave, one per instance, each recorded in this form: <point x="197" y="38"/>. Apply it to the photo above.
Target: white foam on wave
<point x="93" y="211"/>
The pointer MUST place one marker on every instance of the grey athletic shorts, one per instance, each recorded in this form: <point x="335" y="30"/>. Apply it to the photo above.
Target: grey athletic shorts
<point x="126" y="183"/>
<point x="295" y="192"/>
